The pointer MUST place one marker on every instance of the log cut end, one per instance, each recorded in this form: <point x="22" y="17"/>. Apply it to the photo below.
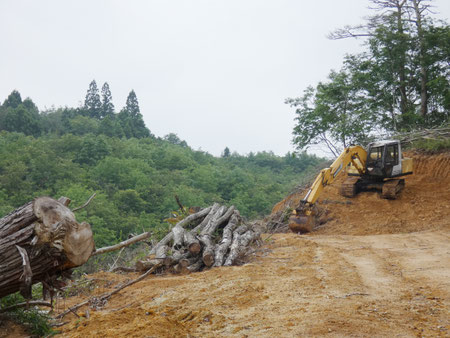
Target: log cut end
<point x="38" y="241"/>
<point x="58" y="228"/>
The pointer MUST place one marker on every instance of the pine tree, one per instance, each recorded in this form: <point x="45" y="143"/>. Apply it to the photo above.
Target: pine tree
<point x="226" y="152"/>
<point x="107" y="105"/>
<point x="131" y="118"/>
<point x="92" y="103"/>
<point x="132" y="105"/>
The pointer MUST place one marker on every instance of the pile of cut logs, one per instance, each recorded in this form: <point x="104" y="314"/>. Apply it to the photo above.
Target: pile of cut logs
<point x="214" y="236"/>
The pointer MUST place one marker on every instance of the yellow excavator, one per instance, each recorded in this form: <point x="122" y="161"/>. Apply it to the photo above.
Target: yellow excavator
<point x="377" y="168"/>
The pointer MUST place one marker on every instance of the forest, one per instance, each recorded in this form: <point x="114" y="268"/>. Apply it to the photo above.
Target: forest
<point x="400" y="82"/>
<point x="75" y="152"/>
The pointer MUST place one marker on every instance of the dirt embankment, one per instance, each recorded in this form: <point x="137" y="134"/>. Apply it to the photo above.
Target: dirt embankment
<point x="391" y="281"/>
<point x="423" y="204"/>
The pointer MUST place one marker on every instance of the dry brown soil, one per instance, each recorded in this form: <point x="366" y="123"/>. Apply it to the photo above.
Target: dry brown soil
<point x="376" y="268"/>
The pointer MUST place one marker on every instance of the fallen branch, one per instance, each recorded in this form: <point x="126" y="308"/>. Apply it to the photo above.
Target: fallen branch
<point x="122" y="244"/>
<point x="85" y="204"/>
<point x="26" y="304"/>
<point x="107" y="295"/>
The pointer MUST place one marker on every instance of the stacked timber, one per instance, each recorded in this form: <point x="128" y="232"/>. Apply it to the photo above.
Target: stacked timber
<point x="214" y="236"/>
<point x="39" y="242"/>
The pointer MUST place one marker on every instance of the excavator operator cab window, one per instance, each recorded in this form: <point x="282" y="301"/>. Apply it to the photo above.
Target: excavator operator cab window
<point x="375" y="157"/>
<point x="392" y="154"/>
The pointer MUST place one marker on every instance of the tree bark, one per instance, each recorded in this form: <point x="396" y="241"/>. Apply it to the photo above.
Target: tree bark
<point x="122" y="244"/>
<point x="241" y="239"/>
<point x="192" y="243"/>
<point x="178" y="237"/>
<point x="39" y="241"/>
<point x="206" y="237"/>
<point x="182" y="223"/>
<point x="423" y="69"/>
<point x="226" y="240"/>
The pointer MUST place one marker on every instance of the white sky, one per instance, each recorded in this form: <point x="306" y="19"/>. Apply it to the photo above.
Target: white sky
<point x="215" y="72"/>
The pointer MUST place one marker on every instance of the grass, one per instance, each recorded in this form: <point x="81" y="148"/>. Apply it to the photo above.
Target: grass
<point x="432" y="145"/>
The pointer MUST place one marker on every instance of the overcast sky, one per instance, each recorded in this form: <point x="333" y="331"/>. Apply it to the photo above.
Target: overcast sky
<point x="215" y="72"/>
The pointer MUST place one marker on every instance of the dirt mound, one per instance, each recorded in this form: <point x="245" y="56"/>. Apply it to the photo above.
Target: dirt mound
<point x="423" y="204"/>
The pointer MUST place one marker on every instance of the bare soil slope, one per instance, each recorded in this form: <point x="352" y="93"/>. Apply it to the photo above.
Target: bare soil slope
<point x="377" y="268"/>
<point x="422" y="205"/>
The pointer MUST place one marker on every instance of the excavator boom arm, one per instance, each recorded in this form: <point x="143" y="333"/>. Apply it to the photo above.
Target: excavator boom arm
<point x="356" y="155"/>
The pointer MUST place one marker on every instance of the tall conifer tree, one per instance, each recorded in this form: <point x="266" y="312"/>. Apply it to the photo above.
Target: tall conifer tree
<point x="92" y="103"/>
<point x="107" y="105"/>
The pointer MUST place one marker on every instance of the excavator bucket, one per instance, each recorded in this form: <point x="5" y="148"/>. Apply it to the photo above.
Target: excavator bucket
<point x="300" y="223"/>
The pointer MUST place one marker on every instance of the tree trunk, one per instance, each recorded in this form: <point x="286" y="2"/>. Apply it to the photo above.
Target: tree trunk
<point x="38" y="241"/>
<point x="423" y="69"/>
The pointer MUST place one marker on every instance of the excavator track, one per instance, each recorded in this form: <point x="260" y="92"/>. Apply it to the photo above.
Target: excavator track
<point x="392" y="188"/>
<point x="349" y="187"/>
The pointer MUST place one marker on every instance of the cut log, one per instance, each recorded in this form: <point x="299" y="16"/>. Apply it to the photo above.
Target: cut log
<point x="213" y="223"/>
<point x="196" y="266"/>
<point x="206" y="237"/>
<point x="192" y="243"/>
<point x="227" y="237"/>
<point x="161" y="257"/>
<point x="208" y="250"/>
<point x="234" y="250"/>
<point x="178" y="237"/>
<point x="182" y="223"/>
<point x="240" y="243"/>
<point x="48" y="234"/>
<point x="207" y="219"/>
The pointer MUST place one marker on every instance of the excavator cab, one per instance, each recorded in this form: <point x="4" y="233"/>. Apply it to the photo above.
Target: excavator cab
<point x="384" y="159"/>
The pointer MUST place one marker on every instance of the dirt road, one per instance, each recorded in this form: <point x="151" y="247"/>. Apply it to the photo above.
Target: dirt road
<point x="381" y="285"/>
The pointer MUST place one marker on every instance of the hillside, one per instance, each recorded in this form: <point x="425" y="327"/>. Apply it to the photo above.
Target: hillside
<point x="377" y="268"/>
<point x="135" y="180"/>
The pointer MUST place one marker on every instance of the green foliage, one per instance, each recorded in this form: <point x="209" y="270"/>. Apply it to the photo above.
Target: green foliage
<point x="135" y="180"/>
<point x="19" y="116"/>
<point x="399" y="83"/>
<point x="107" y="109"/>
<point x="432" y="145"/>
<point x="36" y="322"/>
<point x="92" y="102"/>
<point x="75" y="152"/>
<point x="131" y="118"/>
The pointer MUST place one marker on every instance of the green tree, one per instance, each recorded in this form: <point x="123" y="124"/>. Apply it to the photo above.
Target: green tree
<point x="92" y="102"/>
<point x="226" y="152"/>
<point x="131" y="118"/>
<point x="333" y="113"/>
<point x="92" y="150"/>
<point x="174" y="139"/>
<point x="107" y="105"/>
<point x="13" y="100"/>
